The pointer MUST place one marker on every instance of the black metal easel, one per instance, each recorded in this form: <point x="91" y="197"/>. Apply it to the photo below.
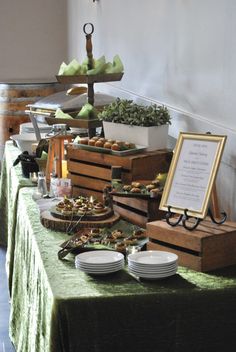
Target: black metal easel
<point x="185" y="217"/>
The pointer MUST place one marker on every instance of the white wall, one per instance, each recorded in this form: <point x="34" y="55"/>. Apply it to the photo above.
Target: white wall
<point x="178" y="52"/>
<point x="33" y="38"/>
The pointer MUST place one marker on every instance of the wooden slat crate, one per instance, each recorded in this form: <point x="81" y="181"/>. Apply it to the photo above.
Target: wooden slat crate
<point x="138" y="211"/>
<point x="208" y="247"/>
<point x="90" y="171"/>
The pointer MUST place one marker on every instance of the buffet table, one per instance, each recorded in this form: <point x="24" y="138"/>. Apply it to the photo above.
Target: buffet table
<point x="56" y="307"/>
<point x="10" y="183"/>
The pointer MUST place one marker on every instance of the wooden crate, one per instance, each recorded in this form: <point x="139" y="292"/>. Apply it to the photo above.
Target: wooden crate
<point x="208" y="247"/>
<point x="90" y="171"/>
<point x="137" y="210"/>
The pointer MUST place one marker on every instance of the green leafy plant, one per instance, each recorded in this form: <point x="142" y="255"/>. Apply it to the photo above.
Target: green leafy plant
<point x="129" y="113"/>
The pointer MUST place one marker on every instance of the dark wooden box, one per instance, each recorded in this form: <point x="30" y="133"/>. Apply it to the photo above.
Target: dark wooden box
<point x="90" y="171"/>
<point x="208" y="247"/>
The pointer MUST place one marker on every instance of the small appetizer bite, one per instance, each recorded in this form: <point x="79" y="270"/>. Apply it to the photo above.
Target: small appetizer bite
<point x="156" y="183"/>
<point x="99" y="208"/>
<point x="99" y="144"/>
<point x="107" y="145"/>
<point x="120" y="247"/>
<point x="83" y="141"/>
<point x="135" y="190"/>
<point x="91" y="142"/>
<point x="136" y="184"/>
<point x="155" y="192"/>
<point x="149" y="187"/>
<point x="127" y="188"/>
<point x="115" y="146"/>
<point x="139" y="234"/>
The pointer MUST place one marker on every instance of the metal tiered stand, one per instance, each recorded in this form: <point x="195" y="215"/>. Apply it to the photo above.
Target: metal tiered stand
<point x="91" y="124"/>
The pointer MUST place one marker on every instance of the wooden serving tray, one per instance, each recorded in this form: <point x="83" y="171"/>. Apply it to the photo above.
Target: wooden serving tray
<point x="108" y="77"/>
<point x="75" y="217"/>
<point x="131" y="151"/>
<point x="58" y="224"/>
<point x="81" y="123"/>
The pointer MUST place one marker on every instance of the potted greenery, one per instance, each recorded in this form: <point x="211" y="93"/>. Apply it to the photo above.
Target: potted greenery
<point x="145" y="125"/>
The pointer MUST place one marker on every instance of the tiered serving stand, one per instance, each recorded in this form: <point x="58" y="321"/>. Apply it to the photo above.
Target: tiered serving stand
<point x="90" y="124"/>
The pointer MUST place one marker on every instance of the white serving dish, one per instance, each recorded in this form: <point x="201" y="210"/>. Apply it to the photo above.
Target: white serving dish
<point x="25" y="141"/>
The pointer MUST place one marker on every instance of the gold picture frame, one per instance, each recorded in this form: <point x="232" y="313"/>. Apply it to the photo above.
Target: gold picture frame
<point x="192" y="173"/>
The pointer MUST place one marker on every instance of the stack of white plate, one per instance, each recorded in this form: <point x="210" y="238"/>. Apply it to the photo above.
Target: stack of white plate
<point x="99" y="262"/>
<point x="153" y="264"/>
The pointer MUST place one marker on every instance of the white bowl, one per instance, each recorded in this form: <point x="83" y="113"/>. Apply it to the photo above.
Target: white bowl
<point x="24" y="141"/>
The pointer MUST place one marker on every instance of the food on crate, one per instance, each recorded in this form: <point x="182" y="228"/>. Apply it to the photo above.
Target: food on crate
<point x="135" y="190"/>
<point x="84" y="141"/>
<point x="153" y="189"/>
<point x="136" y="184"/>
<point x="95" y="138"/>
<point x="156" y="183"/>
<point x="150" y="187"/>
<point x="101" y="142"/>
<point x="107" y="145"/>
<point x="127" y="188"/>
<point x="91" y="142"/>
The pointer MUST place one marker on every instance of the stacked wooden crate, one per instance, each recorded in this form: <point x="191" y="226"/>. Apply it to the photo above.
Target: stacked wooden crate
<point x="208" y="247"/>
<point x="138" y="210"/>
<point x="90" y="172"/>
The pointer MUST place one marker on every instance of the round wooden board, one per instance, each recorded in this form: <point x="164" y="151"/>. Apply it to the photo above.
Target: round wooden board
<point x="56" y="224"/>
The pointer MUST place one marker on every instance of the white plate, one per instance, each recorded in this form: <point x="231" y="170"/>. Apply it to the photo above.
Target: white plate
<point x="99" y="266"/>
<point x="152" y="271"/>
<point x="154" y="276"/>
<point x="100" y="272"/>
<point x="153" y="258"/>
<point x="100" y="257"/>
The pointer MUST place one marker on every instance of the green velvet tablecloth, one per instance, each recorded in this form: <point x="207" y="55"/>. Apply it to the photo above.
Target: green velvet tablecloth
<point x="55" y="307"/>
<point x="11" y="182"/>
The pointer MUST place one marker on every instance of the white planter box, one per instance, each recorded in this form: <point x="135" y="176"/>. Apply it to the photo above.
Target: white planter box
<point x="153" y="138"/>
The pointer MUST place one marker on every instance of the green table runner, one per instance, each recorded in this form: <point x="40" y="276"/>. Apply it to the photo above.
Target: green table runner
<point x="55" y="307"/>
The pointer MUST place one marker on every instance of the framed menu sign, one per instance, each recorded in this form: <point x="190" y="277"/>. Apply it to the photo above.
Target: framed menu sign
<point x="192" y="173"/>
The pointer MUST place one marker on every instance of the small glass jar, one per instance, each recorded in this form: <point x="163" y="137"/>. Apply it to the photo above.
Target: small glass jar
<point x="42" y="184"/>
